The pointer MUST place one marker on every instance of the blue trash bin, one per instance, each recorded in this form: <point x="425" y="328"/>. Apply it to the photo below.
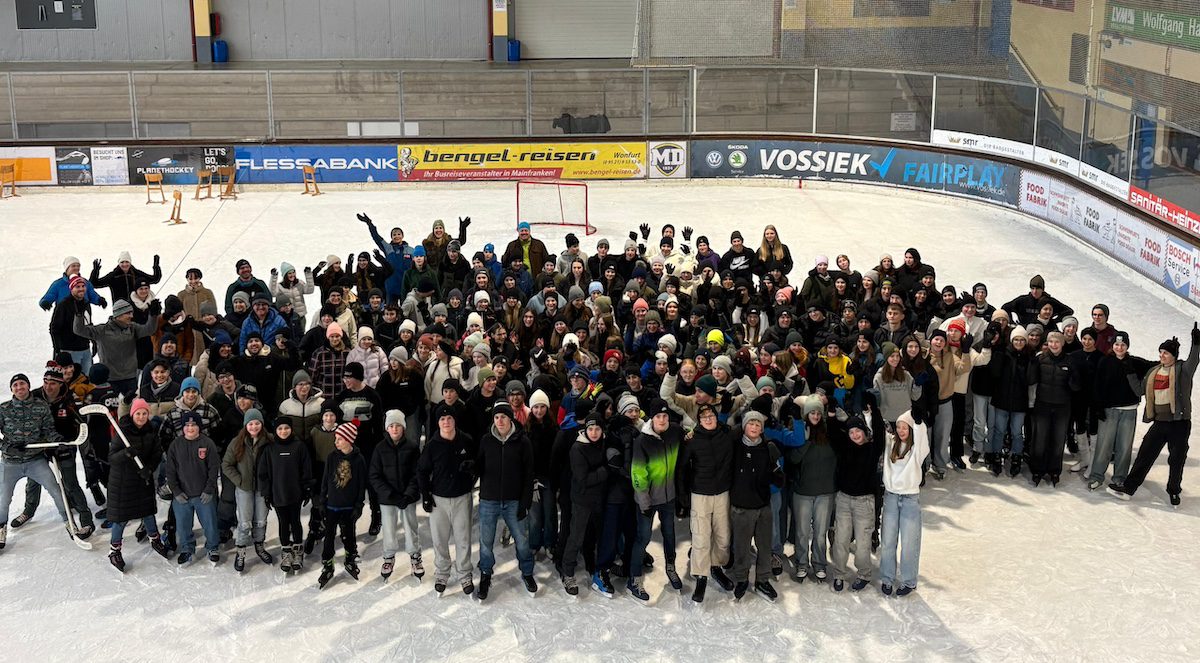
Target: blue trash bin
<point x="514" y="50"/>
<point x="220" y="51"/>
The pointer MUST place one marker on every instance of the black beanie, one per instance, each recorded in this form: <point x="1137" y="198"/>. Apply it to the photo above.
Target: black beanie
<point x="1170" y="345"/>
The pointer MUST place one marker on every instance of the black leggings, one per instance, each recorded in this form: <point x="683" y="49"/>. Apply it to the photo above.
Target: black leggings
<point x="290" y="530"/>
<point x="343" y="520"/>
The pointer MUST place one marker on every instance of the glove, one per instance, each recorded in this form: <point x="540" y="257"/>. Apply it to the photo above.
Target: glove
<point x="687" y="233"/>
<point x="427" y="504"/>
<point x="966" y="342"/>
<point x="96" y="264"/>
<point x="645" y="228"/>
<point x="966" y="296"/>
<point x="205" y="498"/>
<point x="274" y="271"/>
<point x="365" y="219"/>
<point x="320" y="266"/>
<point x="103" y="302"/>
<point x="989" y="335"/>
<point x="45" y="306"/>
<point x="155" y="308"/>
<point x="681" y="511"/>
<point x="917" y="415"/>
<point x="156" y="421"/>
<point x="181" y="498"/>
<point x="156" y="260"/>
<point x="522" y="512"/>
<point x="463" y="223"/>
<point x="350" y="260"/>
<point x="687" y="250"/>
<point x="841" y="415"/>
<point x="379" y="255"/>
<point x="641" y="249"/>
<point x="1195" y="333"/>
<point x="632" y="236"/>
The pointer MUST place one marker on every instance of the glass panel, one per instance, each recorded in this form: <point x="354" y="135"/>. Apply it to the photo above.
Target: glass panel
<point x="1168" y="163"/>
<point x="669" y="93"/>
<point x="986" y="108"/>
<point x="1106" y="145"/>
<point x="877" y="104"/>
<point x="201" y="104"/>
<point x="5" y="110"/>
<point x="1060" y="121"/>
<point x="588" y="102"/>
<point x="335" y="103"/>
<point x="754" y="100"/>
<point x="72" y="105"/>
<point x="483" y="103"/>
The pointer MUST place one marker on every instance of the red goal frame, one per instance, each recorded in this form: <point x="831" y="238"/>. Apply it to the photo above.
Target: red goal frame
<point x="586" y="225"/>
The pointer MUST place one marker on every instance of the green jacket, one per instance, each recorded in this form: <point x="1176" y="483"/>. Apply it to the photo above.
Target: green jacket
<point x="653" y="468"/>
<point x="26" y="422"/>
<point x="242" y="473"/>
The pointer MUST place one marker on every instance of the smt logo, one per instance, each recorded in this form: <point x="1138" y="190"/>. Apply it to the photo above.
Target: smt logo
<point x="667" y="159"/>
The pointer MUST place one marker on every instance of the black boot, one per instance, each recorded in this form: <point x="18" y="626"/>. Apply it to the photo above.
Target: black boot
<point x="1014" y="467"/>
<point x="326" y="573"/>
<point x="115" y="558"/>
<point x="376" y="524"/>
<point x="97" y="494"/>
<point x="698" y="593"/>
<point x="722" y="580"/>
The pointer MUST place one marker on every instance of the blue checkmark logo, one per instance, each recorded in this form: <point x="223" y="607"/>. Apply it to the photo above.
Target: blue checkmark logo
<point x="883" y="168"/>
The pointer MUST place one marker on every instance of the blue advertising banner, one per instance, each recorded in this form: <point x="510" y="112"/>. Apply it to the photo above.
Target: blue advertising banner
<point x="968" y="176"/>
<point x="280" y="164"/>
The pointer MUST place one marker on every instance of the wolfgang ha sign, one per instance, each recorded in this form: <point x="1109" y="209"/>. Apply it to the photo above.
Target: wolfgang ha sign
<point x="978" y="178"/>
<point x="1160" y="27"/>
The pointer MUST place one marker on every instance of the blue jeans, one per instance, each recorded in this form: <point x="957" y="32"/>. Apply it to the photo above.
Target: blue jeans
<point x="83" y="358"/>
<point x="251" y="517"/>
<point x="118" y="530"/>
<point x="1114" y="440"/>
<point x="1011" y="422"/>
<point x="812" y="513"/>
<point x="981" y="419"/>
<point x="666" y="524"/>
<point x="37" y="471"/>
<point x="206" y="514"/>
<point x="490" y="512"/>
<point x="543" y="520"/>
<point x="901" y="524"/>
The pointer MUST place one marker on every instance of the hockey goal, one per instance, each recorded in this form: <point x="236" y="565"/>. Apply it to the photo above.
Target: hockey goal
<point x="553" y="202"/>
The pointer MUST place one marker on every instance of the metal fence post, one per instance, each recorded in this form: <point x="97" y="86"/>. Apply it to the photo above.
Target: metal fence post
<point x="270" y="109"/>
<point x="816" y="87"/>
<point x="693" y="102"/>
<point x="933" y="108"/>
<point x="12" y="105"/>
<point x="400" y="91"/>
<point x="645" y="101"/>
<point x="133" y="119"/>
<point x="528" y="102"/>
<point x="1037" y="108"/>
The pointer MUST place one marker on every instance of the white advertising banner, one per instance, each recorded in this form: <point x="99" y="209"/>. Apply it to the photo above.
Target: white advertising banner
<point x="110" y="165"/>
<point x="980" y="143"/>
<point x="668" y="159"/>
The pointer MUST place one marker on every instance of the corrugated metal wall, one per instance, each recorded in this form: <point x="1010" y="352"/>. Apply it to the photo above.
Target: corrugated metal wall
<point x="355" y="29"/>
<point x="147" y="30"/>
<point x="126" y="30"/>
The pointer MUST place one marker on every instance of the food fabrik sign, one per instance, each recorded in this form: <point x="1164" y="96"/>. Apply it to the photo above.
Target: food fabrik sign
<point x="968" y="176"/>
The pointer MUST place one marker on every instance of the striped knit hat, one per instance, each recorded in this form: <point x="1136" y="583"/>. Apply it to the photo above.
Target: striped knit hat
<point x="347" y="431"/>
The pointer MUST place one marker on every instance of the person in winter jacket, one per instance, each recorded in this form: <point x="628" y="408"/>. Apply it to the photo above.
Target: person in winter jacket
<point x="1116" y="397"/>
<point x="1168" y="390"/>
<point x="903" y="456"/>
<point x="117" y="341"/>
<point x="393" y="475"/>
<point x="342" y="312"/>
<point x="285" y="482"/>
<point x="284" y="281"/>
<point x="303" y="406"/>
<point x="950" y="363"/>
<point x="329" y="362"/>
<point x="1025" y="309"/>
<point x="343" y="488"/>
<point x="1013" y="371"/>
<point x="131" y="494"/>
<point x="858" y="452"/>
<point x="246" y="282"/>
<point x="26" y="420"/>
<point x="240" y="464"/>
<point x="196" y="299"/>
<point x="62" y="334"/>
<point x="811" y="471"/>
<point x="504" y="464"/>
<point x="373" y="359"/>
<point x="323" y="443"/>
<point x="123" y="279"/>
<point x="263" y="320"/>
<point x="398" y="254"/>
<point x="61" y="287"/>
<point x="652" y="471"/>
<point x="1051" y="410"/>
<point x="818" y="287"/>
<point x="446" y="475"/>
<point x="526" y="248"/>
<point x="192" y="468"/>
<point x="705" y="468"/>
<point x="589" y="485"/>
<point x="755" y="465"/>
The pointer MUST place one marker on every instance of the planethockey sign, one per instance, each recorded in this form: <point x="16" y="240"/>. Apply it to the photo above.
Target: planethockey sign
<point x="279" y="164"/>
<point x="978" y="178"/>
<point x="511" y="161"/>
<point x="668" y="159"/>
<point x="178" y="165"/>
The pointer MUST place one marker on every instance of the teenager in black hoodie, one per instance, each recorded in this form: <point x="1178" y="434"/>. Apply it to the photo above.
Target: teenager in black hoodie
<point x="755" y="469"/>
<point x="446" y="475"/>
<point x="705" y="470"/>
<point x="343" y="488"/>
<point x="857" y="478"/>
<point x="393" y="475"/>
<point x="285" y="481"/>
<point x="589" y="483"/>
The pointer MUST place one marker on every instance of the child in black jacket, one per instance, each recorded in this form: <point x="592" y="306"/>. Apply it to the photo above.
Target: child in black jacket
<point x="343" y="489"/>
<point x="285" y="481"/>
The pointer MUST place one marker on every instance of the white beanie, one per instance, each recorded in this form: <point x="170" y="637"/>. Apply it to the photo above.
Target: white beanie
<point x="669" y="341"/>
<point x="481" y="295"/>
<point x="1018" y="332"/>
<point x="723" y="362"/>
<point x="124" y="257"/>
<point x="409" y="325"/>
<point x="539" y="398"/>
<point x="68" y="261"/>
<point x="366" y="332"/>
<point x="474" y="319"/>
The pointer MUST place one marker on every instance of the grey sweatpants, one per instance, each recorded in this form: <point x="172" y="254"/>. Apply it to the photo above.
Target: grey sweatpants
<point x="854" y="515"/>
<point x="451" y="519"/>
<point x="750" y="524"/>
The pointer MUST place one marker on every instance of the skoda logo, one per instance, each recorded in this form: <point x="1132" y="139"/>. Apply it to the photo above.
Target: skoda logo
<point x="737" y="159"/>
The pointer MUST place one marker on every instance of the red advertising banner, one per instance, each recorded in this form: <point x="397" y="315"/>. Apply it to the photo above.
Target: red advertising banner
<point x="1165" y="210"/>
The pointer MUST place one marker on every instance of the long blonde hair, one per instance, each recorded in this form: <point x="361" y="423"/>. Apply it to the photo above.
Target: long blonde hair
<point x="770" y="249"/>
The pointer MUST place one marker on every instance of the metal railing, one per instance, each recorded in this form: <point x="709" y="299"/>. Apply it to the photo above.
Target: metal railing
<point x="254" y="105"/>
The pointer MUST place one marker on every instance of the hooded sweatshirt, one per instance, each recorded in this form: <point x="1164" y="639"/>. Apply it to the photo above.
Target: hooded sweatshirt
<point x="903" y="476"/>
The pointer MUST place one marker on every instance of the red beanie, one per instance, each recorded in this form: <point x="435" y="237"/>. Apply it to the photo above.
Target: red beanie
<point x="75" y="280"/>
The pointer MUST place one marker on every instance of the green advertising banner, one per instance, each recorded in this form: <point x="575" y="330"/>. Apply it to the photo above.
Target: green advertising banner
<point x="1160" y="27"/>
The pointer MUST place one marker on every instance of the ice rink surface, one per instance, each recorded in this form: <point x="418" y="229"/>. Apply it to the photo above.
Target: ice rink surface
<point x="1008" y="572"/>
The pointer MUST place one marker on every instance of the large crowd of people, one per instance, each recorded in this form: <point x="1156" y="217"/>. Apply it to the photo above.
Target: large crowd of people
<point x="566" y="402"/>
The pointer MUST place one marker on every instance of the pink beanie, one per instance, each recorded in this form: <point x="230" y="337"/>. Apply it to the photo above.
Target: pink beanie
<point x="139" y="404"/>
<point x="334" y="328"/>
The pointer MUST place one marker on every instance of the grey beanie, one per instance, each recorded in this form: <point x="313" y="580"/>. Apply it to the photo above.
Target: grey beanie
<point x="393" y="417"/>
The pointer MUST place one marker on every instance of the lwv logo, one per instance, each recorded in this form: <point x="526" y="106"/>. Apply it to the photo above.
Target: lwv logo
<point x="1124" y="15"/>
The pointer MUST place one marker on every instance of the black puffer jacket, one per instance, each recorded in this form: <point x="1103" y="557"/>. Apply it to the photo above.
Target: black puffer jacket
<point x="618" y="441"/>
<point x="1012" y="373"/>
<point x="754" y="470"/>
<point x="705" y="461"/>
<point x="393" y="472"/>
<point x="285" y="472"/>
<point x="505" y="467"/>
<point x="1055" y="379"/>
<point x="131" y="491"/>
<point x="589" y="472"/>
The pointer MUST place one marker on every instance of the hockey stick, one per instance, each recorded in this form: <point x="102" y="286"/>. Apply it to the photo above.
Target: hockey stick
<point x="72" y="524"/>
<point x="97" y="408"/>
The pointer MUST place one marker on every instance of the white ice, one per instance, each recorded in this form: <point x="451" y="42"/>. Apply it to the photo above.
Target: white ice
<point x="1009" y="572"/>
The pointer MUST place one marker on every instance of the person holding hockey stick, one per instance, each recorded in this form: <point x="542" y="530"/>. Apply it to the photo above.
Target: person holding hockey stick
<point x="131" y="493"/>
<point x="25" y="420"/>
